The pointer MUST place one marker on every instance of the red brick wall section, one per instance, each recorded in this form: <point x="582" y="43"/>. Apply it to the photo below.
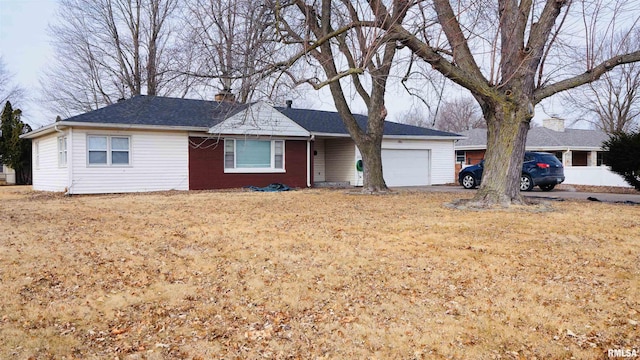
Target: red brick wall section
<point x="206" y="167"/>
<point x="474" y="156"/>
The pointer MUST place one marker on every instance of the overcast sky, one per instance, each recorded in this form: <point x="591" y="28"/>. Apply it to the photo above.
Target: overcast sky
<point x="25" y="48"/>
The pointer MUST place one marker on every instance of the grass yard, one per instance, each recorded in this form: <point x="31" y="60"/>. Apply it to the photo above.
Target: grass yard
<point x="313" y="274"/>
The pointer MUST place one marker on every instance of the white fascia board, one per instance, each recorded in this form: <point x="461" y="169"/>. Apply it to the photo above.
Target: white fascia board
<point x="393" y="137"/>
<point x="330" y="135"/>
<point x="41" y="131"/>
<point x="220" y="137"/>
<point x="563" y="148"/>
<point x="535" y="148"/>
<point x="65" y="124"/>
<point x="260" y="119"/>
<point x="422" y="137"/>
<point x="471" y="147"/>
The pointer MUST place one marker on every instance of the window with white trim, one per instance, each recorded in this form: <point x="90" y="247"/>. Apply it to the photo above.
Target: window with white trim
<point x="253" y="155"/>
<point x="62" y="151"/>
<point x="108" y="150"/>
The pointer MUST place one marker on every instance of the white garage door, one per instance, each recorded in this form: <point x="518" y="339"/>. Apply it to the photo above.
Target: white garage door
<point x="405" y="167"/>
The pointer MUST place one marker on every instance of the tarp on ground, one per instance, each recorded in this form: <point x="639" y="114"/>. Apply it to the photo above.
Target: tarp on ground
<point x="270" y="188"/>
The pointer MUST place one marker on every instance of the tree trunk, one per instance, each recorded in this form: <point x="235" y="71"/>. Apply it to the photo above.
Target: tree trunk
<point x="369" y="142"/>
<point x="371" y="151"/>
<point x="507" y="127"/>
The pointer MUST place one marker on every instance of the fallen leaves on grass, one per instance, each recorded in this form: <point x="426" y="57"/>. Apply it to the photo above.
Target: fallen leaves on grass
<point x="312" y="274"/>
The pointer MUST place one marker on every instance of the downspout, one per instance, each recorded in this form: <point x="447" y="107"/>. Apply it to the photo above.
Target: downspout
<point x="70" y="160"/>
<point x="312" y="138"/>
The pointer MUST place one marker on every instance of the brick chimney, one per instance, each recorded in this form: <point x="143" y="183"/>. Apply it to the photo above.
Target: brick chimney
<point x="225" y="95"/>
<point x="555" y="124"/>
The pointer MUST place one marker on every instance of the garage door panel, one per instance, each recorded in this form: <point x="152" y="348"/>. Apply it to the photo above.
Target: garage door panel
<point x="405" y="167"/>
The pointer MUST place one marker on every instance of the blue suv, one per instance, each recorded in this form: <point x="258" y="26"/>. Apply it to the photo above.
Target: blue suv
<point x="539" y="169"/>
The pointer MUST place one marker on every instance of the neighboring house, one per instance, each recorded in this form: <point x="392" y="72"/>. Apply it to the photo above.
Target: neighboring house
<point x="152" y="143"/>
<point x="7" y="175"/>
<point x="579" y="150"/>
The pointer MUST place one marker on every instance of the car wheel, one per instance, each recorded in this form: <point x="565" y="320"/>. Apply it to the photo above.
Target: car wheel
<point x="526" y="184"/>
<point x="468" y="181"/>
<point x="547" y="187"/>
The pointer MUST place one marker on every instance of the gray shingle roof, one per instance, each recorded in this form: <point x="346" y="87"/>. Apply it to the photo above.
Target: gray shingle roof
<point x="316" y="121"/>
<point x="166" y="111"/>
<point x="541" y="137"/>
<point x="161" y="111"/>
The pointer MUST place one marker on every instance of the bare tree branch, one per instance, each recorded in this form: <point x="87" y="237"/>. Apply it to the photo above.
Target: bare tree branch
<point x="586" y="77"/>
<point x="109" y="49"/>
<point x="8" y="90"/>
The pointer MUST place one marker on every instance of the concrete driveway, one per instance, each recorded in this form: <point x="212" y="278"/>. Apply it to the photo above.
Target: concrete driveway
<point x="552" y="195"/>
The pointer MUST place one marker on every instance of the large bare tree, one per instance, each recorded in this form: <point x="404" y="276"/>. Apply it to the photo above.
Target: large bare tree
<point x="510" y="55"/>
<point x="230" y="42"/>
<point x="110" y="49"/>
<point x="458" y="115"/>
<point x="347" y="52"/>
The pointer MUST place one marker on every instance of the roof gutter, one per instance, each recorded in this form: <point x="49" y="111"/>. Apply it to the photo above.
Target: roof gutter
<point x="62" y="124"/>
<point x="536" y="148"/>
<point x="422" y="137"/>
<point x="395" y="137"/>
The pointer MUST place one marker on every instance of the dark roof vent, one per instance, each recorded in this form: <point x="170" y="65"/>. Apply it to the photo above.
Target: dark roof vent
<point x="289" y="103"/>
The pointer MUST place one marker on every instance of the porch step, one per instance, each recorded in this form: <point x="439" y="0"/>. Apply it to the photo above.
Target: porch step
<point x="332" y="184"/>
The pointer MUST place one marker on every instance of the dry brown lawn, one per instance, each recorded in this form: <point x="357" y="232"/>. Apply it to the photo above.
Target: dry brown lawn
<point x="313" y="274"/>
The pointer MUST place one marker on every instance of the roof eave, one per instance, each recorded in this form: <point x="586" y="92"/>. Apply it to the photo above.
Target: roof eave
<point x="394" y="137"/>
<point x="471" y="147"/>
<point x="564" y="148"/>
<point x="67" y="124"/>
<point x="423" y="137"/>
<point x="537" y="148"/>
<point x="325" y="134"/>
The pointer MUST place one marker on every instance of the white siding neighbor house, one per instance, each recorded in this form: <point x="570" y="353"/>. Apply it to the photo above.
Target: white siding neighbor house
<point x="7" y="175"/>
<point x="580" y="151"/>
<point x="151" y="143"/>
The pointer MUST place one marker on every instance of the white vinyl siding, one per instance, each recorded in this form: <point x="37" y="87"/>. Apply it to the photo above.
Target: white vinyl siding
<point x="443" y="167"/>
<point x="319" y="161"/>
<point x="157" y="161"/>
<point x="437" y="157"/>
<point x="442" y="157"/>
<point x="259" y="119"/>
<point x="47" y="174"/>
<point x="340" y="160"/>
<point x="36" y="154"/>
